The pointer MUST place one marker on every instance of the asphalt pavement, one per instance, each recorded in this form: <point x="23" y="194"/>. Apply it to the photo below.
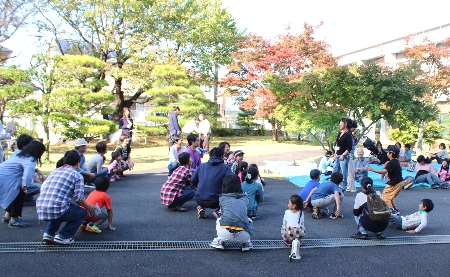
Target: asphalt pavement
<point x="139" y="216"/>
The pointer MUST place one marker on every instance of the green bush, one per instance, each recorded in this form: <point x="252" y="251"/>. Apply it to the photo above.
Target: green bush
<point x="226" y="132"/>
<point x="153" y="131"/>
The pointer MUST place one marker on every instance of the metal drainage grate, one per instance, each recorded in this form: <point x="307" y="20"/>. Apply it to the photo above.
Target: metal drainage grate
<point x="21" y="247"/>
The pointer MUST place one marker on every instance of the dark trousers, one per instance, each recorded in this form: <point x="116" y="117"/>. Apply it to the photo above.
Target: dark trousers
<point x="212" y="204"/>
<point x="16" y="206"/>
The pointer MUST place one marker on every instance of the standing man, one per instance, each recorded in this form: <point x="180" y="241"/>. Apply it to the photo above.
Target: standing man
<point x="174" y="127"/>
<point x="205" y="132"/>
<point x="81" y="147"/>
<point x="53" y="204"/>
<point x="191" y="126"/>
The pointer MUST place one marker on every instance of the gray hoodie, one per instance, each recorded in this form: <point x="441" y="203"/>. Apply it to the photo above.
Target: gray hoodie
<point x="234" y="211"/>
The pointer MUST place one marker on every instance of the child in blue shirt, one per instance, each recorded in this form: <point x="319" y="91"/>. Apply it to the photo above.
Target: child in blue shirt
<point x="326" y="194"/>
<point x="312" y="184"/>
<point x="254" y="191"/>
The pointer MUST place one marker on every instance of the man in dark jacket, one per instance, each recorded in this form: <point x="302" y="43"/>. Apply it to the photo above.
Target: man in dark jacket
<point x="208" y="181"/>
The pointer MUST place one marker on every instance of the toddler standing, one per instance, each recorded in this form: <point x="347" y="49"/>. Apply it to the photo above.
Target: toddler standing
<point x="254" y="191"/>
<point x="293" y="221"/>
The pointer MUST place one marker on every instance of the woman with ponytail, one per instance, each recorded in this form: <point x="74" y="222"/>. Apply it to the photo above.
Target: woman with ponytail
<point x="254" y="191"/>
<point x="361" y="212"/>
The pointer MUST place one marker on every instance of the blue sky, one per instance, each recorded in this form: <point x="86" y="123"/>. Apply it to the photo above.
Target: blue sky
<point x="348" y="25"/>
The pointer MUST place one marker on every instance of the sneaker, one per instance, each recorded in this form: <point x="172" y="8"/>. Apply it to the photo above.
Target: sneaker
<point x="217" y="243"/>
<point x="82" y="227"/>
<point x="116" y="177"/>
<point x="444" y="186"/>
<point x="179" y="209"/>
<point x="333" y="216"/>
<point x="216" y="213"/>
<point x="360" y="235"/>
<point x="201" y="212"/>
<point x="353" y="190"/>
<point x="89" y="185"/>
<point x="112" y="179"/>
<point x="17" y="224"/>
<point x="247" y="246"/>
<point x="256" y="216"/>
<point x="47" y="238"/>
<point x="60" y="240"/>
<point x="315" y="213"/>
<point x="434" y="186"/>
<point x="5" y="220"/>
<point x="396" y="211"/>
<point x="93" y="229"/>
<point x="408" y="185"/>
<point x="381" y="235"/>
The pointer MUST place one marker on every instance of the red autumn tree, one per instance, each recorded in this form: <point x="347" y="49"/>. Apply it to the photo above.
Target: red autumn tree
<point x="288" y="57"/>
<point x="434" y="59"/>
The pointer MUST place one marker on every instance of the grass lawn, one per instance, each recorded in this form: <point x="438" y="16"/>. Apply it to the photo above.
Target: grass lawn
<point x="154" y="154"/>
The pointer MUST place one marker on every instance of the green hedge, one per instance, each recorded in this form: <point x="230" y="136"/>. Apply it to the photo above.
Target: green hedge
<point x="153" y="131"/>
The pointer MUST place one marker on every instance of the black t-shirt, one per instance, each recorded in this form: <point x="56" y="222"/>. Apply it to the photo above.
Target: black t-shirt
<point x="395" y="172"/>
<point x="123" y="152"/>
<point x="344" y="142"/>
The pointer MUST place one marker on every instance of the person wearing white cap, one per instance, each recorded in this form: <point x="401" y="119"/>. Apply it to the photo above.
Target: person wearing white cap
<point x="81" y="147"/>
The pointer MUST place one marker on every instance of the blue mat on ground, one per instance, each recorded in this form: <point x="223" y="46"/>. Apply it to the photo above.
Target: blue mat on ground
<point x="299" y="174"/>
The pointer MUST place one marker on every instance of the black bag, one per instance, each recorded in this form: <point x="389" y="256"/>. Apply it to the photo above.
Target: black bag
<point x="378" y="209"/>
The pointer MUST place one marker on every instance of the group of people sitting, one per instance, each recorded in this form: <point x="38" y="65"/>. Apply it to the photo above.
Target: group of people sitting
<point x="20" y="180"/>
<point x="319" y="196"/>
<point x="225" y="183"/>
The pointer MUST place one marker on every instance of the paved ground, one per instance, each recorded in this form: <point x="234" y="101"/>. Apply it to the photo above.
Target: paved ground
<point x="139" y="216"/>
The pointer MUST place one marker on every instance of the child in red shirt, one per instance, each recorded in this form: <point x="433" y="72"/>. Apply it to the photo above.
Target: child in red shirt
<point x="101" y="198"/>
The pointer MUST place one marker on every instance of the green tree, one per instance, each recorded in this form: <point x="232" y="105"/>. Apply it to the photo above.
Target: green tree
<point x="171" y="86"/>
<point x="245" y="120"/>
<point x="14" y="84"/>
<point x="68" y="95"/>
<point x="137" y="34"/>
<point x="407" y="132"/>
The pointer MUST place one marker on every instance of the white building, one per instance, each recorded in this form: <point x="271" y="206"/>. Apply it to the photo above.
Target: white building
<point x="391" y="53"/>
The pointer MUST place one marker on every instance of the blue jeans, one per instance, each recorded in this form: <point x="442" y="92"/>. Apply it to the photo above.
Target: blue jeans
<point x="74" y="216"/>
<point x="429" y="178"/>
<point x="342" y="167"/>
<point x="396" y="221"/>
<point x="33" y="189"/>
<point x="104" y="172"/>
<point x="172" y="166"/>
<point x="188" y="194"/>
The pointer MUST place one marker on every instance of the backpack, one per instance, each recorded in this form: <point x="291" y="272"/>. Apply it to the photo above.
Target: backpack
<point x="378" y="209"/>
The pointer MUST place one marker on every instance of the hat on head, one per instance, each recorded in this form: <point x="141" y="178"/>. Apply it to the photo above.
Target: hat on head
<point x="81" y="142"/>
<point x="393" y="148"/>
<point x="238" y="153"/>
<point x="314" y="173"/>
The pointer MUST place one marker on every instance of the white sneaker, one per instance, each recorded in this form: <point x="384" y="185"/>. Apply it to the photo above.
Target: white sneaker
<point x="247" y="246"/>
<point x="60" y="240"/>
<point x="47" y="238"/>
<point x="217" y="243"/>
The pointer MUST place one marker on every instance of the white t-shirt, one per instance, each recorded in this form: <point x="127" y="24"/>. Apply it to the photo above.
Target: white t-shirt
<point x="361" y="198"/>
<point x="293" y="219"/>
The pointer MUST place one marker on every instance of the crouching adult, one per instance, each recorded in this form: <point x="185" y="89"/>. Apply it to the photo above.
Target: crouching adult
<point x="361" y="212"/>
<point x="326" y="194"/>
<point x="208" y="181"/>
<point x="53" y="204"/>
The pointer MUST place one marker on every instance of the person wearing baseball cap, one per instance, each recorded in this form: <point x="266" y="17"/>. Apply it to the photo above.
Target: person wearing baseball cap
<point x="81" y="147"/>
<point x="396" y="183"/>
<point x="310" y="187"/>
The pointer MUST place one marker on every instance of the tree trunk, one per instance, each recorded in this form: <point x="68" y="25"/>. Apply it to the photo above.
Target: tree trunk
<point x="216" y="83"/>
<point x="46" y="140"/>
<point x="274" y="129"/>
<point x="419" y="142"/>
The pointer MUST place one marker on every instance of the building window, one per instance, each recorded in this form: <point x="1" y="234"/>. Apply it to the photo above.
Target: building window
<point x="137" y="112"/>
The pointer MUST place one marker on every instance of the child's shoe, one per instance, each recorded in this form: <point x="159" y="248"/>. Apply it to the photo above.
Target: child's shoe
<point x="247" y="246"/>
<point x="116" y="177"/>
<point x="82" y="226"/>
<point x="5" y="220"/>
<point x="333" y="216"/>
<point x="17" y="224"/>
<point x="381" y="235"/>
<point x="216" y="213"/>
<point x="93" y="229"/>
<point x="217" y="243"/>
<point x="201" y="212"/>
<point x="315" y="213"/>
<point x="256" y="216"/>
<point x="112" y="179"/>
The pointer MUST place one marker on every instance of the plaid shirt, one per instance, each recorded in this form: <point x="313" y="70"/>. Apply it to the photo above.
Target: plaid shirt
<point x="63" y="185"/>
<point x="175" y="185"/>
